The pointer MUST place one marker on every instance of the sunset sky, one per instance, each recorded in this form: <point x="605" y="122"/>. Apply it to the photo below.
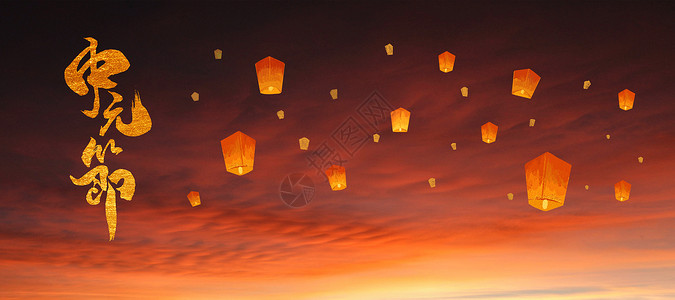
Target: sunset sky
<point x="388" y="235"/>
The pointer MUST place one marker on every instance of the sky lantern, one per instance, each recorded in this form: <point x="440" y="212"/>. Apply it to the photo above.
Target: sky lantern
<point x="238" y="151"/>
<point x="280" y="114"/>
<point x="446" y="61"/>
<point x="454" y="146"/>
<point x="587" y="84"/>
<point x="193" y="197"/>
<point x="337" y="177"/>
<point x="304" y="143"/>
<point x="195" y="96"/>
<point x="333" y="94"/>
<point x="509" y="196"/>
<point x="389" y="49"/>
<point x="532" y="122"/>
<point x="432" y="182"/>
<point x="608" y="136"/>
<point x="640" y="159"/>
<point x="626" y="98"/>
<point x="376" y="138"/>
<point x="270" y="73"/>
<point x="400" y="119"/>
<point x="465" y="91"/>
<point x="489" y="132"/>
<point x="218" y="53"/>
<point x="547" y="177"/>
<point x="586" y="187"/>
<point x="622" y="190"/>
<point x="524" y="83"/>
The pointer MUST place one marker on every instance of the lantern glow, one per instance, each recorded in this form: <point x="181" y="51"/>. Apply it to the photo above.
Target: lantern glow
<point x="270" y="73"/>
<point x="337" y="178"/>
<point x="626" y="99"/>
<point x="446" y="61"/>
<point x="587" y="84"/>
<point x="454" y="146"/>
<point x="547" y="177"/>
<point x="432" y="182"/>
<point x="489" y="132"/>
<point x="280" y="115"/>
<point x="195" y="96"/>
<point x="532" y="122"/>
<point x="400" y="118"/>
<point x="524" y="83"/>
<point x="238" y="152"/>
<point x="509" y="196"/>
<point x="334" y="94"/>
<point x="218" y="53"/>
<point x="304" y="143"/>
<point x="465" y="91"/>
<point x="376" y="138"/>
<point x="389" y="48"/>
<point x="194" y="199"/>
<point x="622" y="190"/>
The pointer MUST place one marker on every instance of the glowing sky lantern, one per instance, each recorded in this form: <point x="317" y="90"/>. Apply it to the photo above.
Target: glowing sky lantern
<point x="238" y="151"/>
<point x="524" y="83"/>
<point x="337" y="178"/>
<point x="547" y="177"/>
<point x="607" y="136"/>
<point x="195" y="96"/>
<point x="432" y="182"/>
<point x="622" y="190"/>
<point x="376" y="138"/>
<point x="333" y="94"/>
<point x="280" y="115"/>
<point x="400" y="118"/>
<point x="489" y="132"/>
<point x="509" y="196"/>
<point x="389" y="48"/>
<point x="640" y="159"/>
<point x="586" y="187"/>
<point x="270" y="73"/>
<point x="587" y="84"/>
<point x="454" y="146"/>
<point x="532" y="122"/>
<point x="218" y="53"/>
<point x="194" y="199"/>
<point x="304" y="143"/>
<point x="465" y="91"/>
<point x="446" y="61"/>
<point x="626" y="98"/>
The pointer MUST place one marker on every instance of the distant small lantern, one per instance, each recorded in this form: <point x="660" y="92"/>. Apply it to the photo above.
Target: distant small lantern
<point x="607" y="136"/>
<point x="489" y="132"/>
<point x="640" y="159"/>
<point x="532" y="122"/>
<point x="622" y="190"/>
<point x="547" y="177"/>
<point x="454" y="146"/>
<point x="270" y="73"/>
<point x="524" y="83"/>
<point x="193" y="197"/>
<point x="465" y="91"/>
<point x="195" y="96"/>
<point x="337" y="178"/>
<point x="218" y="53"/>
<point x="376" y="138"/>
<point x="239" y="152"/>
<point x="432" y="182"/>
<point x="446" y="61"/>
<point x="626" y="99"/>
<point x="586" y="187"/>
<point x="509" y="196"/>
<point x="400" y="118"/>
<point x="587" y="84"/>
<point x="304" y="143"/>
<point x="389" y="49"/>
<point x="333" y="94"/>
<point x="280" y="114"/>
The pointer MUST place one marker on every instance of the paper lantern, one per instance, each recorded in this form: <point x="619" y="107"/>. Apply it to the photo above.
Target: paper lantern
<point x="376" y="138"/>
<point x="586" y="187"/>
<point x="622" y="190"/>
<point x="337" y="177"/>
<point x="270" y="73"/>
<point x="640" y="159"/>
<point x="607" y="136"/>
<point x="400" y="119"/>
<point x="464" y="91"/>
<point x="626" y="98"/>
<point x="524" y="83"/>
<point x="454" y="146"/>
<point x="389" y="48"/>
<point x="509" y="196"/>
<point x="489" y="132"/>
<point x="195" y="96"/>
<point x="238" y="151"/>
<point x="280" y="114"/>
<point x="547" y="177"/>
<point x="333" y="94"/>
<point x="432" y="182"/>
<point x="304" y="143"/>
<point x="446" y="61"/>
<point x="587" y="84"/>
<point x="532" y="122"/>
<point x="218" y="53"/>
<point x="193" y="197"/>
